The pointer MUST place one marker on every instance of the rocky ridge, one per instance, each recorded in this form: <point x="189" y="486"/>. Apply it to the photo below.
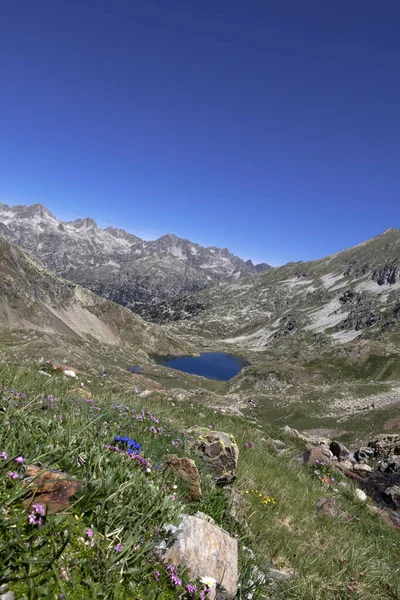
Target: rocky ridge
<point x="116" y="264"/>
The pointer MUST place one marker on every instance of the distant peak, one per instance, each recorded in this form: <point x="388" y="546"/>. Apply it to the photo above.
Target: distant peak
<point x="29" y="211"/>
<point x="86" y="223"/>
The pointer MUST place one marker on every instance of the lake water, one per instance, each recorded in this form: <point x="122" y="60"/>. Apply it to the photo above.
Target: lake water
<point x="213" y="365"/>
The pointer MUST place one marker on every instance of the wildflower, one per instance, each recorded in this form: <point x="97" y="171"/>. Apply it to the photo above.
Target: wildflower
<point x="118" y="547"/>
<point x="89" y="533"/>
<point x="157" y="575"/>
<point x="20" y="460"/>
<point x="39" y="509"/>
<point x="191" y="589"/>
<point x="148" y="470"/>
<point x="13" y="475"/>
<point x="35" y="517"/>
<point x="210" y="582"/>
<point x="4" y="455"/>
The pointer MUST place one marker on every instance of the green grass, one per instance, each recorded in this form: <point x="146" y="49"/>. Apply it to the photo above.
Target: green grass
<point x="124" y="504"/>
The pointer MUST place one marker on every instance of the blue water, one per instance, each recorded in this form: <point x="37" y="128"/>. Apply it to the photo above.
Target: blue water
<point x="213" y="365"/>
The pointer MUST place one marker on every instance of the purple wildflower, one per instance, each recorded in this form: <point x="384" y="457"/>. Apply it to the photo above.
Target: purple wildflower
<point x="89" y="533"/>
<point x="118" y="547"/>
<point x="20" y="460"/>
<point x="191" y="589"/>
<point x="13" y="475"/>
<point x="4" y="455"/>
<point x="39" y="509"/>
<point x="157" y="575"/>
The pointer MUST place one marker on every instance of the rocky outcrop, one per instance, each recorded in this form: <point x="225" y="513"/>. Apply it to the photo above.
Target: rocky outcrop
<point x="219" y="452"/>
<point x="206" y="551"/>
<point x="384" y="445"/>
<point x="185" y="468"/>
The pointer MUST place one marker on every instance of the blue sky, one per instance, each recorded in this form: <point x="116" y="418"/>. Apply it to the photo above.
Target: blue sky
<point x="271" y="128"/>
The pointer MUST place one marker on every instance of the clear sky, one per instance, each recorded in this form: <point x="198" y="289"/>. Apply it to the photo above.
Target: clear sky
<point x="271" y="128"/>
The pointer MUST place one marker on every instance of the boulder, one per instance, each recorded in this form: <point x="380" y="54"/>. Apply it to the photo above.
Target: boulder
<point x="316" y="455"/>
<point x="340" y="451"/>
<point x="364" y="454"/>
<point x="51" y="489"/>
<point x="219" y="452"/>
<point x="185" y="468"/>
<point x="206" y="551"/>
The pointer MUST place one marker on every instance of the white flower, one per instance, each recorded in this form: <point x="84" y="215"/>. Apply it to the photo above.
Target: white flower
<point x="148" y="470"/>
<point x="174" y="487"/>
<point x="210" y="582"/>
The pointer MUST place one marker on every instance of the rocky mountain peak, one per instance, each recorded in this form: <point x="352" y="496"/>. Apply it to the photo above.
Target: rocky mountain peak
<point x="116" y="264"/>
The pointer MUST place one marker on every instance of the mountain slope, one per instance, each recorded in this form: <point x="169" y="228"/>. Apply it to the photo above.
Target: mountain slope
<point x="31" y="299"/>
<point x="117" y="265"/>
<point x="354" y="294"/>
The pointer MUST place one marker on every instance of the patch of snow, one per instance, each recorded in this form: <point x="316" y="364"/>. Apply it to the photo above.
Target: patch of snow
<point x="330" y="279"/>
<point x="372" y="286"/>
<point x="295" y="281"/>
<point x="346" y="336"/>
<point x="325" y="317"/>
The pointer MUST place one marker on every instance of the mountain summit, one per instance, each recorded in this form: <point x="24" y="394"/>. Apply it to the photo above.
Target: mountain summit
<point x="116" y="264"/>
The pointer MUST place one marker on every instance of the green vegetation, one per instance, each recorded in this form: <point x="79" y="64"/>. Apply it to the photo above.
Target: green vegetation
<point x="125" y="507"/>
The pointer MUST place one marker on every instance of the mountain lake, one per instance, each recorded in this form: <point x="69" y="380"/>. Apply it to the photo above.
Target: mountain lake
<point x="213" y="365"/>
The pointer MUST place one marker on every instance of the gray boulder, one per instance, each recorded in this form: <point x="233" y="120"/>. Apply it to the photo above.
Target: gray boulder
<point x="206" y="551"/>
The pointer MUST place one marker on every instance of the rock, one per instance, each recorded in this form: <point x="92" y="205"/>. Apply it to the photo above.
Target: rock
<point x="362" y="469"/>
<point x="206" y="551"/>
<point x="391" y="464"/>
<point x="6" y="595"/>
<point x="82" y="392"/>
<point x="384" y="514"/>
<point x="186" y="469"/>
<point x="279" y="443"/>
<point x="344" y="465"/>
<point x="364" y="454"/>
<point x="70" y="373"/>
<point x="327" y="507"/>
<point x="339" y="450"/>
<point x="316" y="455"/>
<point x="385" y="444"/>
<point x="51" y="489"/>
<point x="360" y="495"/>
<point x="285" y="574"/>
<point x="394" y="494"/>
<point x="47" y="375"/>
<point x="219" y="452"/>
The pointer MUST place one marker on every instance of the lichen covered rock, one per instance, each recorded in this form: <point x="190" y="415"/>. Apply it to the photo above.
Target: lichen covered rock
<point x="219" y="452"/>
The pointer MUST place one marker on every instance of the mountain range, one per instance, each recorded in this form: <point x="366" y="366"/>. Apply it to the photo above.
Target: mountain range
<point x="116" y="264"/>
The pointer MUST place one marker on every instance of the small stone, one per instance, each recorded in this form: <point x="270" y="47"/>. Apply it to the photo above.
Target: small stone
<point x="360" y="495"/>
<point x="284" y="574"/>
<point x="7" y="596"/>
<point x="327" y="507"/>
<point x="70" y="373"/>
<point x="47" y="375"/>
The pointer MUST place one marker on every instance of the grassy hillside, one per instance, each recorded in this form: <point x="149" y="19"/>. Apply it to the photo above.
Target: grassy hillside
<point x="102" y="545"/>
